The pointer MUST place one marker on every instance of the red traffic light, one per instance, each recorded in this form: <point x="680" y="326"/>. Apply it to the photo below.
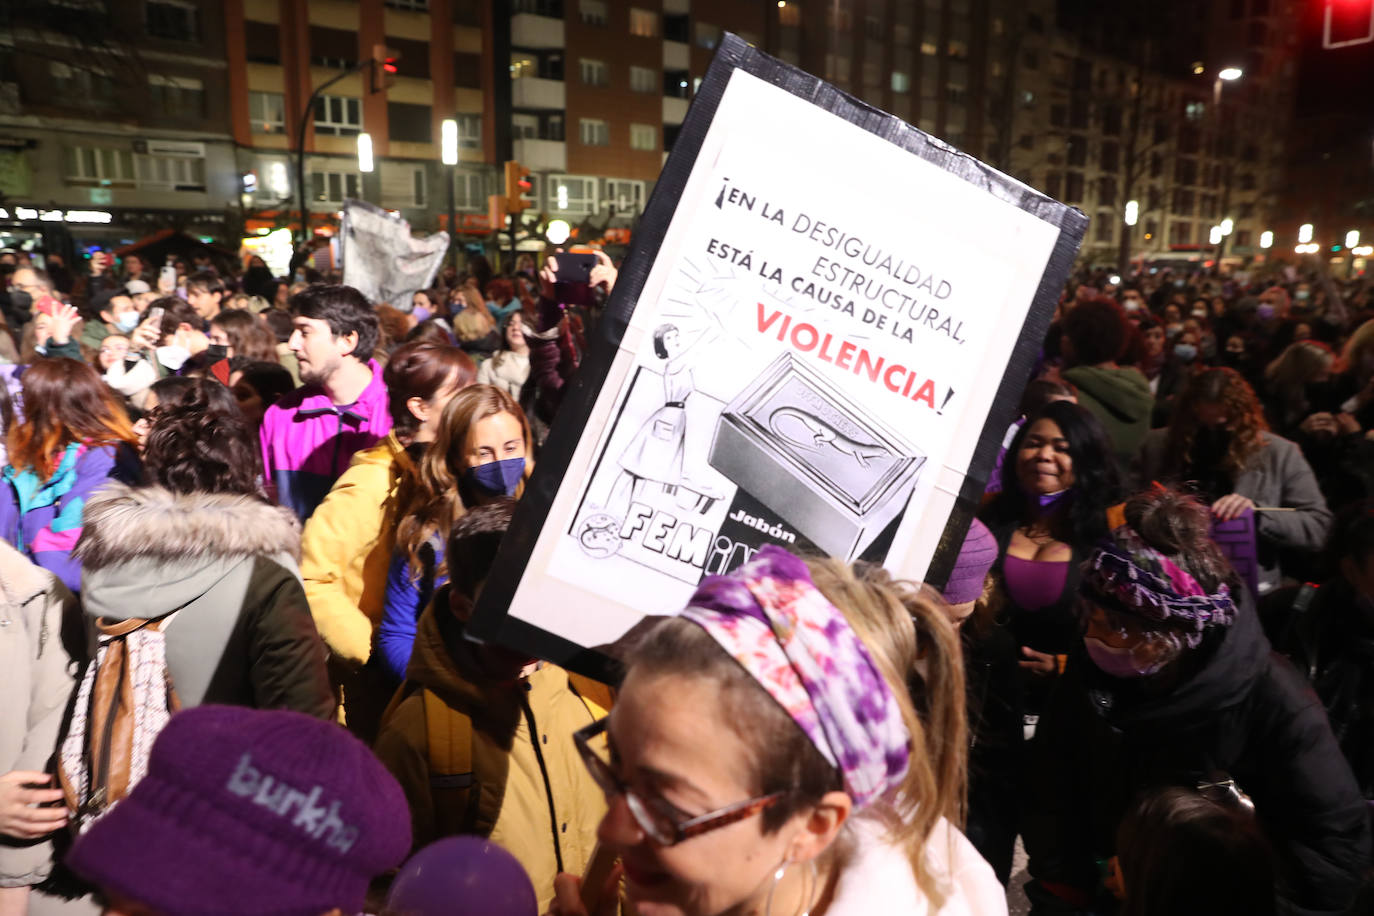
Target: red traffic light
<point x="390" y="65"/>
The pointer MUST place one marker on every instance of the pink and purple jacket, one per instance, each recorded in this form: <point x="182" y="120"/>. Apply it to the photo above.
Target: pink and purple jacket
<point x="308" y="441"/>
<point x="42" y="518"/>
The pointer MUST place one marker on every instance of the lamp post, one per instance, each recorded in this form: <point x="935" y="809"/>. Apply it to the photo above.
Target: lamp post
<point x="1224" y="76"/>
<point x="300" y="149"/>
<point x="448" y="152"/>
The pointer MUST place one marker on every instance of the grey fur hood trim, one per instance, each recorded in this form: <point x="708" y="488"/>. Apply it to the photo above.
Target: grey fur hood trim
<point x="123" y="523"/>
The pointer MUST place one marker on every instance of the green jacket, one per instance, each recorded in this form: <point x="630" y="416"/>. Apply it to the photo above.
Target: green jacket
<point x="1121" y="399"/>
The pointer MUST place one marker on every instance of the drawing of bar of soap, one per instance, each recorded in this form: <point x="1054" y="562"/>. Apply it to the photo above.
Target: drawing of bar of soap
<point x="809" y="453"/>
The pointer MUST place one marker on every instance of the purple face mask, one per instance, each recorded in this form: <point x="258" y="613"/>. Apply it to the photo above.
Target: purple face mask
<point x="1050" y="500"/>
<point x="421" y="313"/>
<point x="1265" y="311"/>
<point x="1117" y="662"/>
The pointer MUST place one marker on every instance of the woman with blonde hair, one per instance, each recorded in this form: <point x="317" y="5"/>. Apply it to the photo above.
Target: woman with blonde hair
<point x="473" y="323"/>
<point x="482" y="451"/>
<point x="765" y="755"/>
<point x="1298" y="383"/>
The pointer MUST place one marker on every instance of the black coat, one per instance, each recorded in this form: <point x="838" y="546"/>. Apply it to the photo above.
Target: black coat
<point x="1240" y="710"/>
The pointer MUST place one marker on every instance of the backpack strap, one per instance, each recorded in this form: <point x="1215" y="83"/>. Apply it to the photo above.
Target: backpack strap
<point x="452" y="784"/>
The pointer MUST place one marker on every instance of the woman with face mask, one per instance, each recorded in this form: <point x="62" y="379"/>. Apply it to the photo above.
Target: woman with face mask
<point x="765" y="754"/>
<point x="1220" y="447"/>
<point x="1058" y="478"/>
<point x="1175" y="685"/>
<point x="482" y="451"/>
<point x="1299" y="384"/>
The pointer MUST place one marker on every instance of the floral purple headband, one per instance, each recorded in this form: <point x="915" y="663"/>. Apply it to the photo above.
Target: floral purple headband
<point x="772" y="619"/>
<point x="1126" y="574"/>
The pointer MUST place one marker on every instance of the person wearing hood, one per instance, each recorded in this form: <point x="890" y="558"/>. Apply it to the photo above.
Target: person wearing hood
<point x="1094" y="337"/>
<point x="1175" y="685"/>
<point x="1219" y="445"/>
<point x="479" y="736"/>
<point x="199" y="547"/>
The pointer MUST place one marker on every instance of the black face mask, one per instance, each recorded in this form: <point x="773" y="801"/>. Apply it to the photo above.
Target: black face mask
<point x="218" y="352"/>
<point x="1211" y="442"/>
<point x="21" y="301"/>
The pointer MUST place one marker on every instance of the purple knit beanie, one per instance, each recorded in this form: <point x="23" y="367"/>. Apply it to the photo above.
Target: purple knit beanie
<point x="250" y="811"/>
<point x="975" y="559"/>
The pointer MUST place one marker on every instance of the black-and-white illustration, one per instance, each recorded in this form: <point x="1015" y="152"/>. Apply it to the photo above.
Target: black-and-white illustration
<point x="807" y="452"/>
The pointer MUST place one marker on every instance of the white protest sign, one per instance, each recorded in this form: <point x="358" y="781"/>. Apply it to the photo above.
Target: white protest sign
<point x="803" y="365"/>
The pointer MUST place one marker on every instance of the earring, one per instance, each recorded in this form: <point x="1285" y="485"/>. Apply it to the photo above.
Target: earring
<point x="810" y="894"/>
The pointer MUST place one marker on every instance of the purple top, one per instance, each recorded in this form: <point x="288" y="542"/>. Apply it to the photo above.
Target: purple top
<point x="1034" y="584"/>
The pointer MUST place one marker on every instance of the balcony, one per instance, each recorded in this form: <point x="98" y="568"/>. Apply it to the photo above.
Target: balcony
<point x="528" y="30"/>
<point x="676" y="55"/>
<point x="674" y="110"/>
<point x="533" y="92"/>
<point x="542" y="155"/>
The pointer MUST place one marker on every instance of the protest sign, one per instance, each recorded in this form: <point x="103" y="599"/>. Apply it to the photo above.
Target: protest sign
<point x="786" y="358"/>
<point x="380" y="257"/>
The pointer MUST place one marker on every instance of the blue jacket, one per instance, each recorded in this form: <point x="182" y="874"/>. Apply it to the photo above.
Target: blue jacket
<point x="406" y="598"/>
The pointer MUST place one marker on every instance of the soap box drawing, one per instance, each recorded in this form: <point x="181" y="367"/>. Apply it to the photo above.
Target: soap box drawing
<point x="810" y="454"/>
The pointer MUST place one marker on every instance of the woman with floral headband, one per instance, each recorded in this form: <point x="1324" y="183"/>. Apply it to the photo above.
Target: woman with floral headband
<point x="765" y="754"/>
<point x="1177" y="686"/>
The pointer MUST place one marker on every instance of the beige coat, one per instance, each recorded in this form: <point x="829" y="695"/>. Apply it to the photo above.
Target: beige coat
<point x="42" y="642"/>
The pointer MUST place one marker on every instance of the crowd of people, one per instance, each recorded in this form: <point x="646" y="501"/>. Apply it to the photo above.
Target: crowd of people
<point x="244" y="524"/>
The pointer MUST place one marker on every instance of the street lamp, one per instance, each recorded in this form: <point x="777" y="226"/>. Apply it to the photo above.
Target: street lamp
<point x="1215" y="236"/>
<point x="448" y="152"/>
<point x="365" y="152"/>
<point x="1352" y="238"/>
<point x="1230" y="74"/>
<point x="1266" y="239"/>
<point x="1132" y="212"/>
<point x="1224" y="75"/>
<point x="1305" y="233"/>
<point x="1227" y="226"/>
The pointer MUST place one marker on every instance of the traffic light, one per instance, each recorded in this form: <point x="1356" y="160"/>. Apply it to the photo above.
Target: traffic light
<point x="381" y="76"/>
<point x="518" y="184"/>
<point x="1348" y="23"/>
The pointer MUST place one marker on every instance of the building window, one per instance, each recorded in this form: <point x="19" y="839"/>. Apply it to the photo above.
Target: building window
<point x="338" y="116"/>
<point x="593" y="12"/>
<point x="1052" y="182"/>
<point x="625" y="196"/>
<point x="1242" y="238"/>
<point x="676" y="83"/>
<point x="333" y="187"/>
<point x="594" y="132"/>
<point x="1102" y="231"/>
<point x="1195" y="111"/>
<point x="1180" y="233"/>
<point x="707" y="36"/>
<point x="643" y="136"/>
<point x="102" y="166"/>
<point x="469" y="131"/>
<point x="901" y="82"/>
<point x="170" y="173"/>
<point x="594" y="72"/>
<point x="82" y="87"/>
<point x="1073" y="187"/>
<point x="177" y="96"/>
<point x="403" y="185"/>
<point x="642" y="79"/>
<point x="523" y="64"/>
<point x="1184" y="202"/>
<point x="958" y="49"/>
<point x="175" y="20"/>
<point x="410" y="123"/>
<point x="419" y="6"/>
<point x="469" y="191"/>
<point x="1106" y="191"/>
<point x="1246" y="181"/>
<point x="267" y="112"/>
<point x="524" y="127"/>
<point x="1077" y="150"/>
<point x="643" y="23"/>
<point x="262" y="43"/>
<point x="572" y="194"/>
<point x="1109" y="157"/>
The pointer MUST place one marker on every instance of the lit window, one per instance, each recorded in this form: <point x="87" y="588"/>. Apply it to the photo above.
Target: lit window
<point x="593" y="12"/>
<point x="92" y="165"/>
<point x="708" y="36"/>
<point x="901" y="82"/>
<point x="266" y="112"/>
<point x="643" y="23"/>
<point x="330" y="187"/>
<point x="338" y="116"/>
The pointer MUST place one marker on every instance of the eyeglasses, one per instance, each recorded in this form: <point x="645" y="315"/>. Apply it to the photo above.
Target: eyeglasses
<point x="660" y="821"/>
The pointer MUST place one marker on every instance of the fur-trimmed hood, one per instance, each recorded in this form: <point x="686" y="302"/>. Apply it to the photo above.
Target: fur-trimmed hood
<point x="123" y="524"/>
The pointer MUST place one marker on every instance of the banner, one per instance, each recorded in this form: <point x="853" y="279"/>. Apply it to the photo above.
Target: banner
<point x="819" y="338"/>
<point x="380" y="257"/>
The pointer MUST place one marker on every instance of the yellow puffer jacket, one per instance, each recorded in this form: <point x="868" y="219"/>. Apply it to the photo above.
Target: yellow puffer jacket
<point x="346" y="550"/>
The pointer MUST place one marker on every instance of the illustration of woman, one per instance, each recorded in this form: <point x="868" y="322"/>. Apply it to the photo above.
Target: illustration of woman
<point x="657" y="452"/>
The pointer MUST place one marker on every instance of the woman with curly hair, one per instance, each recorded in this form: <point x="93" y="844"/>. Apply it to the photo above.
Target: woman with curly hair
<point x="483" y="451"/>
<point x="1058" y="479"/>
<point x="199" y="547"/>
<point x="1220" y="447"/>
